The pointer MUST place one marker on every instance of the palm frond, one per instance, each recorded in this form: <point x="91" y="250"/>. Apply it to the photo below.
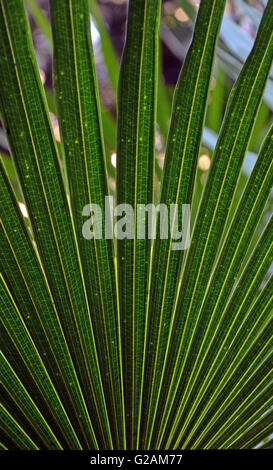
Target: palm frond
<point x="111" y="341"/>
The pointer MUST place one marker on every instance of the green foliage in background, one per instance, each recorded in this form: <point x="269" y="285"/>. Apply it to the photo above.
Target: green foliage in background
<point x="128" y="344"/>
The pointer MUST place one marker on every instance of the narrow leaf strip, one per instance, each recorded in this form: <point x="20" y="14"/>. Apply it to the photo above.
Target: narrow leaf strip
<point x="109" y="53"/>
<point x="135" y="167"/>
<point x="80" y="123"/>
<point x="189" y="108"/>
<point x="40" y="18"/>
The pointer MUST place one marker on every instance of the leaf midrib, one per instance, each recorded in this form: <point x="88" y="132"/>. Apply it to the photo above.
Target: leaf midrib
<point x="95" y="245"/>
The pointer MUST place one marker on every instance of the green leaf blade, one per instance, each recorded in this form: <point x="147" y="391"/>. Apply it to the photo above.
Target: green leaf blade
<point x="76" y="89"/>
<point x="182" y="153"/>
<point x="135" y="172"/>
